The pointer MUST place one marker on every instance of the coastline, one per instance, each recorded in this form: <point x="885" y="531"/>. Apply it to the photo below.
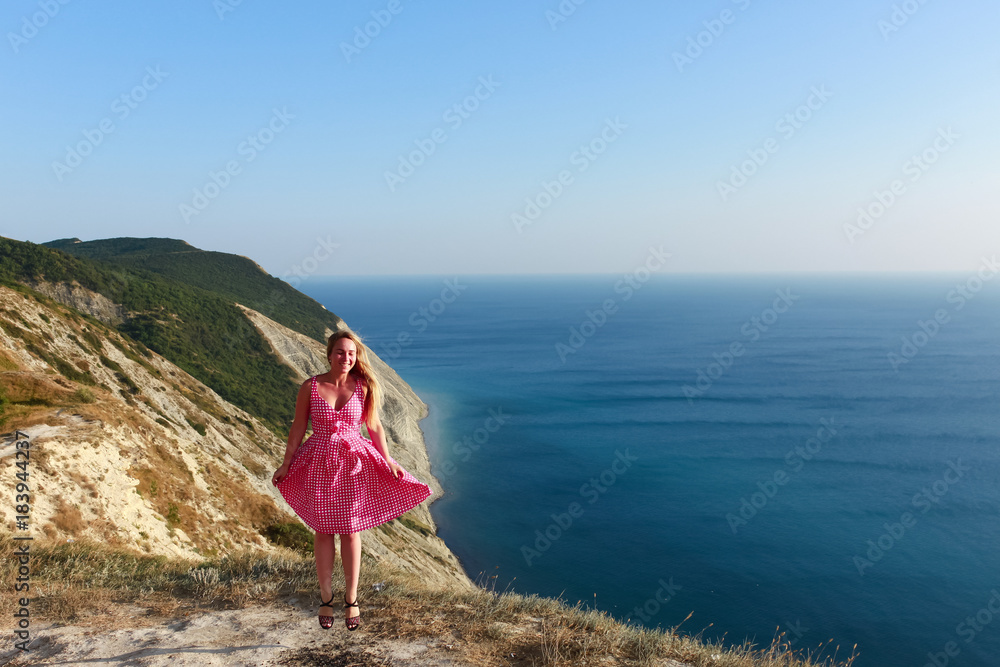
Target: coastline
<point x="433" y="432"/>
<point x="430" y="426"/>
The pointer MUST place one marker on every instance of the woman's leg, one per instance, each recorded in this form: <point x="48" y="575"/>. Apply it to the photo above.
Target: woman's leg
<point x="350" y="556"/>
<point x="325" y="550"/>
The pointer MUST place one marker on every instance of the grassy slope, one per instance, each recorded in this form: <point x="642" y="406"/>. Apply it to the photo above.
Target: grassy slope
<point x="232" y="277"/>
<point x="78" y="582"/>
<point x="199" y="330"/>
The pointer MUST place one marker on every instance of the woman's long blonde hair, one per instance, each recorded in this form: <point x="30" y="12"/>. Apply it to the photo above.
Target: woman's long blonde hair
<point x="362" y="368"/>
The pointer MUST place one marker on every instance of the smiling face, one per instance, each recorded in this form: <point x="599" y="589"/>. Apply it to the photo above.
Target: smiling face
<point x="343" y="355"/>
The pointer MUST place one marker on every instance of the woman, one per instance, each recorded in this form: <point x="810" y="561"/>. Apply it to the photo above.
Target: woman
<point x="338" y="482"/>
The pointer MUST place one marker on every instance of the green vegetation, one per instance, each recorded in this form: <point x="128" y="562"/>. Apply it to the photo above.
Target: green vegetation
<point x="173" y="514"/>
<point x="84" y="395"/>
<point x="92" y="339"/>
<point x="68" y="370"/>
<point x="290" y="534"/>
<point x="120" y="375"/>
<point x="235" y="278"/>
<point x="140" y="355"/>
<point x="36" y="344"/>
<point x="418" y="526"/>
<point x="197" y="426"/>
<point x="181" y="305"/>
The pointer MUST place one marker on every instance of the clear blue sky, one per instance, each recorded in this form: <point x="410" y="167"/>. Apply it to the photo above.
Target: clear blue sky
<point x="347" y="115"/>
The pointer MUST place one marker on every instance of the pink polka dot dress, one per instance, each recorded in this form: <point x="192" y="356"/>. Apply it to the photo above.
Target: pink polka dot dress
<point x="338" y="482"/>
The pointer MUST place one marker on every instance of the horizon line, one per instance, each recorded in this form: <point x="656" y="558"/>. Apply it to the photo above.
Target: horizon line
<point x="881" y="273"/>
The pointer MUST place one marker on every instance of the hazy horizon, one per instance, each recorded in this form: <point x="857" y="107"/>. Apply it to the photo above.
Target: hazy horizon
<point x="569" y="274"/>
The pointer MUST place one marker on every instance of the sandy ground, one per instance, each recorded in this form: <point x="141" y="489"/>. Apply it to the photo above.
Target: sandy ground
<point x="282" y="633"/>
<point x="278" y="634"/>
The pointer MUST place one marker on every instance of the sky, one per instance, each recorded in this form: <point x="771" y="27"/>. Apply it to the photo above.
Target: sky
<point x="414" y="137"/>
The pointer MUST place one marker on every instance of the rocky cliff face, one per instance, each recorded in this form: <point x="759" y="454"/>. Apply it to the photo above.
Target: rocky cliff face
<point x="82" y="299"/>
<point x="129" y="449"/>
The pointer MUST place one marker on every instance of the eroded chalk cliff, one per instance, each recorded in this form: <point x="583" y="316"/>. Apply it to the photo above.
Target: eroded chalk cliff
<point x="129" y="449"/>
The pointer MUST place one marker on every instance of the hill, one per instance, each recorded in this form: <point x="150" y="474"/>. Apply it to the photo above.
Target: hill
<point x="233" y="277"/>
<point x="130" y="450"/>
<point x="176" y="312"/>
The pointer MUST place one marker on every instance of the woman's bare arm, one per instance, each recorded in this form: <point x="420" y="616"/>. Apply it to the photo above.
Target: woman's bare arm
<point x="298" y="430"/>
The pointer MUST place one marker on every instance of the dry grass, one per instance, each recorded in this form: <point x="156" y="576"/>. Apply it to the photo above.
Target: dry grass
<point x="79" y="581"/>
<point x="84" y="483"/>
<point x="35" y="389"/>
<point x="167" y="483"/>
<point x="7" y="363"/>
<point x="28" y="398"/>
<point x="501" y="629"/>
<point x="68" y="518"/>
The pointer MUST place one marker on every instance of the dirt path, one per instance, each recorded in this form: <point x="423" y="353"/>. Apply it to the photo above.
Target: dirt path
<point x="278" y="634"/>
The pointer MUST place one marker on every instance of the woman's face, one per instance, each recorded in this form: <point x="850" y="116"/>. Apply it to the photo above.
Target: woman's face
<point x="343" y="355"/>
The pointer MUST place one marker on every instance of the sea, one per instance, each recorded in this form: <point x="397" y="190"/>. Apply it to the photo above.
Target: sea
<point x="813" y="458"/>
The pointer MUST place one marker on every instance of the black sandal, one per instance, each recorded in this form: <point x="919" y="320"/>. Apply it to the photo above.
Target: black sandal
<point x="352" y="622"/>
<point x="326" y="622"/>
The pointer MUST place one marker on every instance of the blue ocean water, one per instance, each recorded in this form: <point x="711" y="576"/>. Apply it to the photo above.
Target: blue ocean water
<point x="746" y="450"/>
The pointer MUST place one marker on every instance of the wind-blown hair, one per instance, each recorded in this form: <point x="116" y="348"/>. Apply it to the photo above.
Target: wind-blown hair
<point x="362" y="368"/>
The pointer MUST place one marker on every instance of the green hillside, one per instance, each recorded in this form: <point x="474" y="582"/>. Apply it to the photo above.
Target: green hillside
<point x="198" y="329"/>
<point x="234" y="277"/>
